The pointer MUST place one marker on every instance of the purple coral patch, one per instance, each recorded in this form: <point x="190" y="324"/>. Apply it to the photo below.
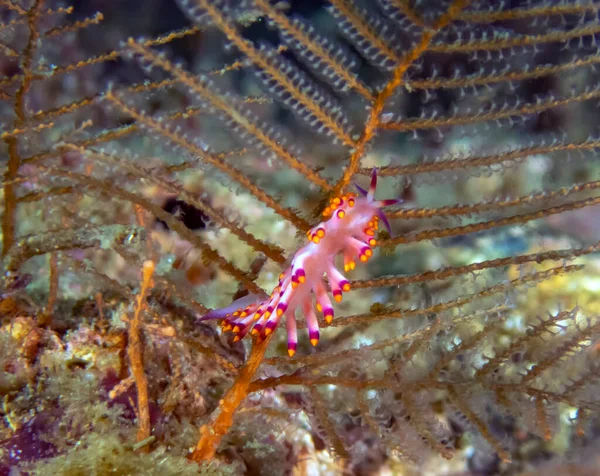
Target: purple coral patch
<point x="28" y="443"/>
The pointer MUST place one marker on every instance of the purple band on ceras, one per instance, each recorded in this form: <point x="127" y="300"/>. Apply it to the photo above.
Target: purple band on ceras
<point x="270" y="327"/>
<point x="328" y="314"/>
<point x="313" y="335"/>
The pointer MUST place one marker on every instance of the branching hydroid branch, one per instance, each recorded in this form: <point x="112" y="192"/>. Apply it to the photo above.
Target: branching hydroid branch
<point x="200" y="87"/>
<point x="217" y="216"/>
<point x="373" y="121"/>
<point x="455" y="303"/>
<point x="483" y="161"/>
<point x="493" y="205"/>
<point x="135" y="351"/>
<point x="156" y="210"/>
<point x="444" y="273"/>
<point x="14" y="157"/>
<point x="219" y="164"/>
<point x="486" y="225"/>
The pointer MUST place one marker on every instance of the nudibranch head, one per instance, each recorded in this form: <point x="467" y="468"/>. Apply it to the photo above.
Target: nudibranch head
<point x="349" y="228"/>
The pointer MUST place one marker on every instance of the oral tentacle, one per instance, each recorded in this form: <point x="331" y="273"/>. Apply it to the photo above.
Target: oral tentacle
<point x="361" y="190"/>
<point x="387" y="203"/>
<point x="372" y="186"/>
<point x="385" y="221"/>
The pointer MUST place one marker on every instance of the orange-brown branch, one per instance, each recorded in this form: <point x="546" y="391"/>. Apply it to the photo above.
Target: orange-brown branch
<point x="373" y="122"/>
<point x="45" y="317"/>
<point x="14" y="158"/>
<point x="135" y="352"/>
<point x="210" y="435"/>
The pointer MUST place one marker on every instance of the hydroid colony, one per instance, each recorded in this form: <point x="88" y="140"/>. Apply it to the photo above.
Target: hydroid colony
<point x="476" y="334"/>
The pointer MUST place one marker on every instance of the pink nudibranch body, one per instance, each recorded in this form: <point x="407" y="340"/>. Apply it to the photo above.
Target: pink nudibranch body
<point x="349" y="229"/>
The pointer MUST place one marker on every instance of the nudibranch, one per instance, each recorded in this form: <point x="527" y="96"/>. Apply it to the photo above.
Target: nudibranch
<point x="349" y="228"/>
